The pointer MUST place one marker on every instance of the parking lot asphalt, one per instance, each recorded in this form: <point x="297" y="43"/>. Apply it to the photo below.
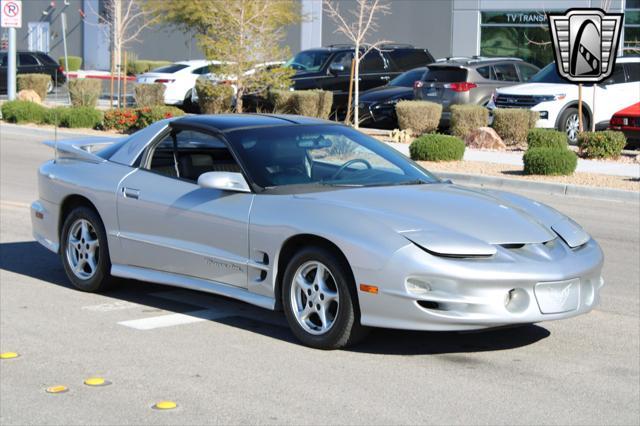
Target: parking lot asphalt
<point x="226" y="362"/>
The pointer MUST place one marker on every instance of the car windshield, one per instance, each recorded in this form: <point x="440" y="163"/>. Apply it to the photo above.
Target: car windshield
<point x="308" y="60"/>
<point x="406" y="79"/>
<point x="170" y="69"/>
<point x="548" y="74"/>
<point x="328" y="155"/>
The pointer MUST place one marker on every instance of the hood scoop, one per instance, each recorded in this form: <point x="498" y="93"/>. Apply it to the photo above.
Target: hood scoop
<point x="449" y="243"/>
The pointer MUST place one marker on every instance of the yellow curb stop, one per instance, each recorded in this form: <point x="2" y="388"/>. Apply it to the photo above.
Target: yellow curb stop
<point x="9" y="355"/>
<point x="96" y="381"/>
<point x="57" y="389"/>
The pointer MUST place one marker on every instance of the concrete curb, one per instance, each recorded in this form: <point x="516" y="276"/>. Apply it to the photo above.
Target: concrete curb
<point x="546" y="187"/>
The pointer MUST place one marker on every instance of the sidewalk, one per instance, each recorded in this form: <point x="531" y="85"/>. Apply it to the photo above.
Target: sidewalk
<point x="515" y="159"/>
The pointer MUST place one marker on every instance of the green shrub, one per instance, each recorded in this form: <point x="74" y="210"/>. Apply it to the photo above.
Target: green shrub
<point x="606" y="144"/>
<point x="39" y="83"/>
<point x="437" y="147"/>
<point x="546" y="138"/>
<point x="85" y="91"/>
<point x="465" y="118"/>
<point x="56" y="116"/>
<point x="141" y="66"/>
<point x="549" y="161"/>
<point x="214" y="98"/>
<point x="418" y="116"/>
<point x="512" y="124"/>
<point x="23" y="112"/>
<point x="149" y="115"/>
<point x="75" y="62"/>
<point x="120" y="119"/>
<point x="81" y="117"/>
<point x="149" y="95"/>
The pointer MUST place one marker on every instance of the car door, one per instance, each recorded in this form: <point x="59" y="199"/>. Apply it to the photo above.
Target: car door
<point x="337" y="79"/>
<point x="613" y="94"/>
<point x="373" y="71"/>
<point x="169" y="223"/>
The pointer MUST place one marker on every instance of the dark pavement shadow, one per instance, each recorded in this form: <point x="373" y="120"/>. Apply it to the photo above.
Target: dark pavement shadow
<point x="30" y="259"/>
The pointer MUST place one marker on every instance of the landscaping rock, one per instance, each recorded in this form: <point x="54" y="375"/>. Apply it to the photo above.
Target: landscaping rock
<point x="484" y="138"/>
<point x="28" y="95"/>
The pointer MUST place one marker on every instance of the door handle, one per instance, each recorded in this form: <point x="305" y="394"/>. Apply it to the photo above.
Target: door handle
<point x="130" y="193"/>
<point x="385" y="77"/>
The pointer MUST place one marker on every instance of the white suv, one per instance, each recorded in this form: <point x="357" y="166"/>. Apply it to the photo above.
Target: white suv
<point x="557" y="100"/>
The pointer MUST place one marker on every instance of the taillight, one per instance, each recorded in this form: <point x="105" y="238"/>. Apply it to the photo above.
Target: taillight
<point x="619" y="121"/>
<point x="163" y="80"/>
<point x="60" y="69"/>
<point x="461" y="87"/>
<point x="418" y="84"/>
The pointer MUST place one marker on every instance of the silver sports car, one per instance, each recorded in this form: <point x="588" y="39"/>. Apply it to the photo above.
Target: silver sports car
<point x="339" y="230"/>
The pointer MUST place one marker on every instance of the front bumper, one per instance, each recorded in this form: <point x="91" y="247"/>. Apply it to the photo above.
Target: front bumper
<point x="473" y="294"/>
<point x="44" y="224"/>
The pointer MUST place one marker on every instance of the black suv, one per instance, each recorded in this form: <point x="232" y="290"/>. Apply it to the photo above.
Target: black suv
<point x="31" y="63"/>
<point x="329" y="68"/>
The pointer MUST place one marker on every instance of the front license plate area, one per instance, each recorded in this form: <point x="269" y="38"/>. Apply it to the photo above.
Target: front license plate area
<point x="555" y="297"/>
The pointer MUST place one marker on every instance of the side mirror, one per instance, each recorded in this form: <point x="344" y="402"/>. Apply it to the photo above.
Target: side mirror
<point x="224" y="181"/>
<point x="336" y="68"/>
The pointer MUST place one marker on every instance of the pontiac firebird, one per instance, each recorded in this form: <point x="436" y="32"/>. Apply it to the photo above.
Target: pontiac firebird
<point x="337" y="229"/>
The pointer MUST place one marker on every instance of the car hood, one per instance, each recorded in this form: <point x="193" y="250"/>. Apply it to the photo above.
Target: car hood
<point x="536" y="89"/>
<point x="383" y="93"/>
<point x="491" y="217"/>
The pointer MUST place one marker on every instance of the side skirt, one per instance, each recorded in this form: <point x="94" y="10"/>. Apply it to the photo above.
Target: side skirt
<point x="191" y="283"/>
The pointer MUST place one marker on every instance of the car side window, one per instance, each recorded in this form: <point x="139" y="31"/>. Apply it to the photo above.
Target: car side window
<point x="26" y="59"/>
<point x="373" y="62"/>
<point x="343" y="59"/>
<point x="201" y="70"/>
<point x="505" y="72"/>
<point x="406" y="59"/>
<point x="617" y="77"/>
<point x="526" y="72"/>
<point x="486" y="72"/>
<point x="194" y="153"/>
<point x="633" y="72"/>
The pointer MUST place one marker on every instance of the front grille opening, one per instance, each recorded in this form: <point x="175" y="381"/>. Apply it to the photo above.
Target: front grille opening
<point x="428" y="304"/>
<point x="512" y="246"/>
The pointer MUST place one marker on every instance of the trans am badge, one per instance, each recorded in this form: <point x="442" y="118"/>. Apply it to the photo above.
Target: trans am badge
<point x="585" y="43"/>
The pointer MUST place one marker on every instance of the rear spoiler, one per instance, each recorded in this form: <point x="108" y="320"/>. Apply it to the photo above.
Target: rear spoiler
<point x="82" y="149"/>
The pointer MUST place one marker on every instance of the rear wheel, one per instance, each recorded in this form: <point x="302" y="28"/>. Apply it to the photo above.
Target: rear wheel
<point x="50" y="86"/>
<point x="319" y="300"/>
<point x="84" y="251"/>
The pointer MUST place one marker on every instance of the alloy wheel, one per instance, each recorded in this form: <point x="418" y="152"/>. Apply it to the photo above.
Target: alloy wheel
<point x="572" y="127"/>
<point x="314" y="298"/>
<point x="83" y="249"/>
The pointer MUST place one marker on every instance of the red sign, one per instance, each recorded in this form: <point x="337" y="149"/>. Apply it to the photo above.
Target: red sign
<point x="11" y="11"/>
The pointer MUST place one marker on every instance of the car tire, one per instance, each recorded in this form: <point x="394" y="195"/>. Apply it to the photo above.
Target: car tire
<point x="50" y="86"/>
<point x="568" y="123"/>
<point x="84" y="251"/>
<point x="307" y="299"/>
<point x="187" y="104"/>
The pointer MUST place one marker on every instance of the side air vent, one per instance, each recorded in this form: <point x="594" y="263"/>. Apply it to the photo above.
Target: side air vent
<point x="512" y="246"/>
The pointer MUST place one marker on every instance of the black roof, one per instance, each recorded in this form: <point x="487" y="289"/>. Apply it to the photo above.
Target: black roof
<point x="231" y="122"/>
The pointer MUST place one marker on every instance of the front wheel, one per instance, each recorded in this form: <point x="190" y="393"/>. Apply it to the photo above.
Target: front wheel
<point x="319" y="300"/>
<point x="84" y="251"/>
<point x="570" y="124"/>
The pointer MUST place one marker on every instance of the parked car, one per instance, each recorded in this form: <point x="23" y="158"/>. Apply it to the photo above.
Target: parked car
<point x="463" y="80"/>
<point x="179" y="79"/>
<point x="329" y="68"/>
<point x="332" y="226"/>
<point x="557" y="100"/>
<point x="378" y="105"/>
<point x="32" y="63"/>
<point x="628" y="121"/>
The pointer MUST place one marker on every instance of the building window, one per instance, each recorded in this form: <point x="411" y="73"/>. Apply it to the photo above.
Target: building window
<point x="38" y="36"/>
<point x="632" y="27"/>
<point x="516" y="34"/>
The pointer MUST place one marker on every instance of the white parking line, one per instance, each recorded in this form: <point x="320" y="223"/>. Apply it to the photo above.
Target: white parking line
<point x="112" y="306"/>
<point x="171" y="320"/>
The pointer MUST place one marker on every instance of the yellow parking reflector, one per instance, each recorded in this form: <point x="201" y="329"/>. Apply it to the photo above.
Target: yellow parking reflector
<point x="369" y="288"/>
<point x="165" y="405"/>
<point x="8" y="355"/>
<point x="96" y="381"/>
<point x="57" y="389"/>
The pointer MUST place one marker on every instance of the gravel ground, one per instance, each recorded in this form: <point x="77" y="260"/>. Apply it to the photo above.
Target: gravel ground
<point x="515" y="172"/>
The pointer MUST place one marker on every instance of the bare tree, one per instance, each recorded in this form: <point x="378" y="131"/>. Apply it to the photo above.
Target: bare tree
<point x="125" y="20"/>
<point x="357" y="24"/>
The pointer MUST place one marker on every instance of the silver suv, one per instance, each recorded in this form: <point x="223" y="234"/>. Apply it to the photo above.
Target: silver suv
<point x="464" y="80"/>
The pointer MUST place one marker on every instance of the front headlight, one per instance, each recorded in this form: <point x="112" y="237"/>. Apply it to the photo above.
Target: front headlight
<point x="550" y="98"/>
